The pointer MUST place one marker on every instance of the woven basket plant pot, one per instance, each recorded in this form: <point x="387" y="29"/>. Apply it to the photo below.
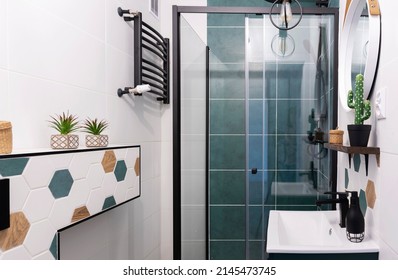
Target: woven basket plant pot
<point x="68" y="141"/>
<point x="5" y="137"/>
<point x="96" y="140"/>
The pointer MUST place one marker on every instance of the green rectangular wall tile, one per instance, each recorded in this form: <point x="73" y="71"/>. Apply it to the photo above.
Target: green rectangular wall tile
<point x="255" y="250"/>
<point x="227" y="43"/>
<point x="227" y="187"/>
<point x="261" y="112"/>
<point x="227" y="116"/>
<point x="227" y="250"/>
<point x="214" y="20"/>
<point x="227" y="80"/>
<point x="293" y="116"/>
<point x="227" y="222"/>
<point x="256" y="193"/>
<point x="227" y="152"/>
<point x="293" y="153"/>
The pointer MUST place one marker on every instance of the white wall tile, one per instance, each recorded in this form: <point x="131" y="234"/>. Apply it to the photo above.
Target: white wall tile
<point x="119" y="70"/>
<point x="4" y="105"/>
<point x="81" y="163"/>
<point x="95" y="201"/>
<point x="17" y="253"/>
<point x="81" y="17"/>
<point x="119" y="33"/>
<point x="109" y="184"/>
<point x="79" y="192"/>
<point x="38" y="172"/>
<point x="19" y="191"/>
<point x="30" y="125"/>
<point x="38" y="205"/>
<point x="3" y="33"/>
<point x="61" y="161"/>
<point x="95" y="176"/>
<point x="44" y="256"/>
<point x="57" y="51"/>
<point x="61" y="213"/>
<point x="39" y="237"/>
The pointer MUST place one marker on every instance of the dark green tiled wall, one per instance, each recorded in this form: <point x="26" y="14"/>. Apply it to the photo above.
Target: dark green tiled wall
<point x="278" y="123"/>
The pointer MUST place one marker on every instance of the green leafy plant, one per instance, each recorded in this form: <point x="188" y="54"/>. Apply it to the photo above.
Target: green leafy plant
<point x="65" y="123"/>
<point x="94" y="127"/>
<point x="357" y="102"/>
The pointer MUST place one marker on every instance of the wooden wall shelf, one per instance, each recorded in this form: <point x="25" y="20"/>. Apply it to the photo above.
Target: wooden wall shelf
<point x="366" y="151"/>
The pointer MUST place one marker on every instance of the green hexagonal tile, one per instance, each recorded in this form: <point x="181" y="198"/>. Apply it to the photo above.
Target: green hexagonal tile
<point x="13" y="166"/>
<point x="109" y="202"/>
<point x="120" y="170"/>
<point x="61" y="183"/>
<point x="54" y="247"/>
<point x="347" y="178"/>
<point x="357" y="162"/>
<point x="362" y="202"/>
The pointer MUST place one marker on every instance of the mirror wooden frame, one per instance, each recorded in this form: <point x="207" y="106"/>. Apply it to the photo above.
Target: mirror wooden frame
<point x="353" y="13"/>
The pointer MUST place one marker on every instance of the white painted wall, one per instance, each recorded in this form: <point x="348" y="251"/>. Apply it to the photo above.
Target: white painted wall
<point x="73" y="55"/>
<point x="381" y="222"/>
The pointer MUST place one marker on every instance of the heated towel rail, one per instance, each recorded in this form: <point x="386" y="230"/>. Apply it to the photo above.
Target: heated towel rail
<point x="151" y="59"/>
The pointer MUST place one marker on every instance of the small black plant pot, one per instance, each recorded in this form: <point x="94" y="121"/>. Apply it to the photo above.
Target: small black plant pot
<point x="359" y="134"/>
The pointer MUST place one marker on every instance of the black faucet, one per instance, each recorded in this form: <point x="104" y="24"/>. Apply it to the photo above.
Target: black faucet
<point x="342" y="200"/>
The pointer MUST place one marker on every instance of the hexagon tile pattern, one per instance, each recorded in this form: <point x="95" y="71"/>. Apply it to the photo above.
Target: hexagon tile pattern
<point x="370" y="194"/>
<point x="13" y="166"/>
<point x="120" y="170"/>
<point x="61" y="183"/>
<point x="41" y="206"/>
<point x="16" y="233"/>
<point x="109" y="161"/>
<point x="362" y="202"/>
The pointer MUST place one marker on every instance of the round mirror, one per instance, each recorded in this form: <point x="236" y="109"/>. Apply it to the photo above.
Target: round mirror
<point x="359" y="47"/>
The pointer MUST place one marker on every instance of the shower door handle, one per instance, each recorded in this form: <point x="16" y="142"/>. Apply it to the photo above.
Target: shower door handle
<point x="254" y="170"/>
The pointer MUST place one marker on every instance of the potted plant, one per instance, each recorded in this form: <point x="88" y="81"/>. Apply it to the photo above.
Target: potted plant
<point x="358" y="133"/>
<point x="94" y="128"/>
<point x="65" y="124"/>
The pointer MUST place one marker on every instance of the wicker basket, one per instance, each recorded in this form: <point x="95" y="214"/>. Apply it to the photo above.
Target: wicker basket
<point x="5" y="137"/>
<point x="336" y="137"/>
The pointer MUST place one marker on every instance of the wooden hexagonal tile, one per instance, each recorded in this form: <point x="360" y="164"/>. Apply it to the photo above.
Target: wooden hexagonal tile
<point x="109" y="161"/>
<point x="80" y="213"/>
<point x="16" y="233"/>
<point x="137" y="167"/>
<point x="371" y="194"/>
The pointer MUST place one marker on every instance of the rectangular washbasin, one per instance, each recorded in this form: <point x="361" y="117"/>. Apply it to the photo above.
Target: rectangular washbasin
<point x="315" y="232"/>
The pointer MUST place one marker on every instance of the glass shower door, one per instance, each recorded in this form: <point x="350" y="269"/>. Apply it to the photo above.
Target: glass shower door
<point x="288" y="97"/>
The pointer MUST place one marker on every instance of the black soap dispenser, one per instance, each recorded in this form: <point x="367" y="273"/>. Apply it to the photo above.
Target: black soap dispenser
<point x="355" y="221"/>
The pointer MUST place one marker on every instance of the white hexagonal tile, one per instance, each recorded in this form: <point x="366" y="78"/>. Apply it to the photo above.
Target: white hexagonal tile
<point x="79" y="193"/>
<point x="19" y="191"/>
<point x="109" y="184"/>
<point x="45" y="256"/>
<point x="95" y="176"/>
<point x="95" y="201"/>
<point x="61" y="214"/>
<point x="131" y="179"/>
<point x="131" y="156"/>
<point x="38" y="205"/>
<point x="17" y="253"/>
<point x="61" y="161"/>
<point x="81" y="162"/>
<point x="38" y="172"/>
<point x="39" y="237"/>
<point x="120" y="192"/>
<point x="120" y="153"/>
<point x="132" y="193"/>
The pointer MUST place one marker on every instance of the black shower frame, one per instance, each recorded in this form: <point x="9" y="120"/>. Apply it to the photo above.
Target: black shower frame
<point x="176" y="36"/>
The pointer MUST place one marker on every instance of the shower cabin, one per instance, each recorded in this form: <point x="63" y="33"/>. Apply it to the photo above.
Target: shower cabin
<point x="252" y="110"/>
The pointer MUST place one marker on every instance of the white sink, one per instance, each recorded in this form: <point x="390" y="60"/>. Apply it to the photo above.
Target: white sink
<point x="311" y="232"/>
